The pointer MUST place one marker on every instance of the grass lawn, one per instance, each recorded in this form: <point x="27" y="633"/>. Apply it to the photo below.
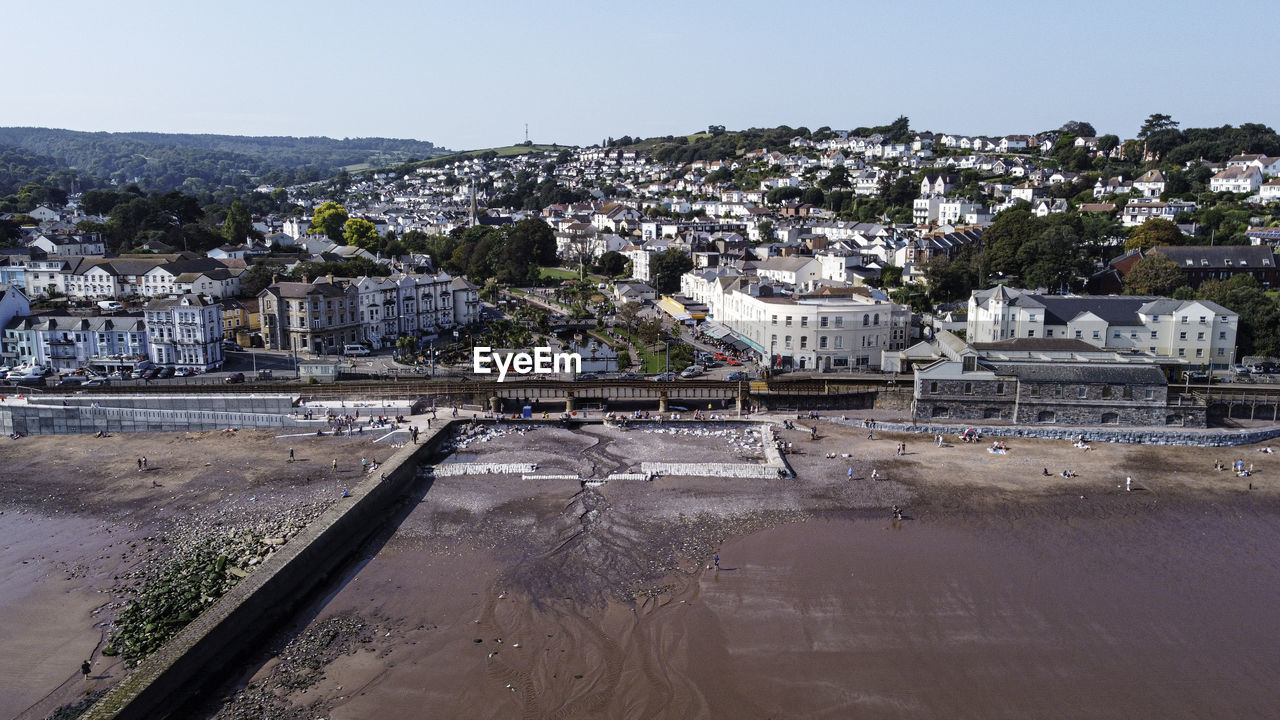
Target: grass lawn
<point x="556" y="273"/>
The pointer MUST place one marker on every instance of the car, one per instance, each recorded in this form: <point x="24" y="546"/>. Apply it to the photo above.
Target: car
<point x="664" y="377"/>
<point x="630" y="376"/>
<point x="235" y="377"/>
<point x="1195" y="376"/>
<point x="690" y="372"/>
<point x="97" y="382"/>
<point x="720" y="356"/>
<point x="588" y="376"/>
<point x="184" y="372"/>
<point x="228" y="345"/>
<point x="165" y="372"/>
<point x="736" y="375"/>
<point x="70" y="382"/>
<point x="733" y="361"/>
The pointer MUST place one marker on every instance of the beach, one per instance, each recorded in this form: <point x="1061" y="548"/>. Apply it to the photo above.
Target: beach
<point x="1001" y="592"/>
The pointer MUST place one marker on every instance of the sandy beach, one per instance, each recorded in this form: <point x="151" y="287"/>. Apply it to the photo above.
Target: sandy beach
<point x="1002" y="593"/>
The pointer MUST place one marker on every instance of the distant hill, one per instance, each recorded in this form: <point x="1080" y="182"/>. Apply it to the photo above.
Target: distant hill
<point x="198" y="163"/>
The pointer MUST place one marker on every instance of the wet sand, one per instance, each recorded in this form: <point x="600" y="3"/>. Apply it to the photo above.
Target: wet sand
<point x="80" y="523"/>
<point x="1003" y="594"/>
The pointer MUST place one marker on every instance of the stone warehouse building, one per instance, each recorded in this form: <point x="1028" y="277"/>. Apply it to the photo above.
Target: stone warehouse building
<point x="1067" y="389"/>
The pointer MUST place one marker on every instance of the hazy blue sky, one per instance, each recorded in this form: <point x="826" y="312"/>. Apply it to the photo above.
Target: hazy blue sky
<point x="470" y="74"/>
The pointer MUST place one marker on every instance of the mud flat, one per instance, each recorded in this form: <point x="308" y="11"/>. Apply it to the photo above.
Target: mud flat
<point x="82" y="529"/>
<point x="1002" y="594"/>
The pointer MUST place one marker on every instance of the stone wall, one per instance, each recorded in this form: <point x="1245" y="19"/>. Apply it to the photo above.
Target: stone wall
<point x="1143" y="435"/>
<point x="162" y="682"/>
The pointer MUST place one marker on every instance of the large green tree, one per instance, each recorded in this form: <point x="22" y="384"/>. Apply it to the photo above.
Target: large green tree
<point x="1153" y="232"/>
<point x="1154" y="274"/>
<point x="361" y="233"/>
<point x="237" y="226"/>
<point x="330" y="219"/>
<point x="666" y="267"/>
<point x="1258" y="332"/>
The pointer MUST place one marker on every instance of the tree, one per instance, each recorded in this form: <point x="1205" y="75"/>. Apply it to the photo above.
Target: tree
<point x="361" y="233"/>
<point x="1156" y="122"/>
<point x="837" y="178"/>
<point x="238" y="224"/>
<point x="1079" y="128"/>
<point x="666" y="268"/>
<point x="1153" y="232"/>
<point x="1154" y="274"/>
<point x="765" y="228"/>
<point x="1107" y="143"/>
<point x="890" y="276"/>
<point x="628" y="314"/>
<point x="258" y="277"/>
<point x="650" y="332"/>
<point x="613" y="263"/>
<point x="329" y="219"/>
<point x="1258" y="332"/>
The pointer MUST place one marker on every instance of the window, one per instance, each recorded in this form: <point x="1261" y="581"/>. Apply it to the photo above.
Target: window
<point x="1220" y="352"/>
<point x="1048" y="332"/>
<point x="866" y="320"/>
<point x="1106" y="392"/>
<point x="788" y="321"/>
<point x="773" y="319"/>
<point x="1031" y="333"/>
<point x="1155" y="334"/>
<point x="1097" y="334"/>
<point x="839" y="342"/>
<point x="1079" y="335"/>
<point x="933" y="387"/>
<point x="1182" y="352"/>
<point x="822" y="341"/>
<point x="968" y="388"/>
<point x="1202" y="319"/>
<point x="1148" y="394"/>
<point x="839" y="321"/>
<point x="875" y="319"/>
<point x="1199" y="336"/>
<point x="1184" y="319"/>
<point x="1222" y="335"/>
<point x="1182" y="335"/>
<point x="1152" y="349"/>
<point x="1082" y="392"/>
<point x="822" y="321"/>
<point x="804" y="322"/>
<point x="1035" y="391"/>
<point x="804" y="341"/>
<point x="787" y="342"/>
<point x="1199" y="352"/>
<point x="1115" y="335"/>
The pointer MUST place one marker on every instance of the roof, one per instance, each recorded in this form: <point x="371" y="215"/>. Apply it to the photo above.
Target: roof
<point x="1119" y="373"/>
<point x="1231" y="257"/>
<point x="1037" y="344"/>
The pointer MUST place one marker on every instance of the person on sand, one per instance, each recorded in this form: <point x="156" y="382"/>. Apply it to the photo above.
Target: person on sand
<point x="290" y="454"/>
<point x="1128" y="484"/>
<point x="1046" y="472"/>
<point x="850" y="473"/>
<point x="85" y="667"/>
<point x="335" y="463"/>
<point x="716" y="561"/>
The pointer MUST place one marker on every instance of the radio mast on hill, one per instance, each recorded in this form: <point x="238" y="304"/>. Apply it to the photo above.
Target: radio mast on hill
<point x="526" y="133"/>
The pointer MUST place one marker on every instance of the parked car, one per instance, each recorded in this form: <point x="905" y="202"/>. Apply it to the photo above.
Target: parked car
<point x="355" y="350"/>
<point x="630" y="376"/>
<point x="588" y="376"/>
<point x="720" y="356"/>
<point x="692" y="371"/>
<point x="184" y="372"/>
<point x="734" y="362"/>
<point x="229" y="345"/>
<point x="165" y="372"/>
<point x="71" y="381"/>
<point x="236" y="377"/>
<point x="664" y="377"/>
<point x="97" y="382"/>
<point x="736" y="376"/>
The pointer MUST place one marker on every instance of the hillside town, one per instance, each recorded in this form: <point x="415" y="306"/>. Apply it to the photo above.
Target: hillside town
<point x="829" y="253"/>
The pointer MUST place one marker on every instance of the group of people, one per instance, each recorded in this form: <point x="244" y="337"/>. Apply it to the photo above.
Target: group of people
<point x="1237" y="467"/>
<point x="1065" y="473"/>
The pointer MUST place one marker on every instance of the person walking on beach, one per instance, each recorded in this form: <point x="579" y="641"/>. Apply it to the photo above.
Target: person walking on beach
<point x="139" y="464"/>
<point x="335" y="463"/>
<point x="290" y="454"/>
<point x="85" y="667"/>
<point x="716" y="561"/>
<point x="1128" y="484"/>
<point x="850" y="473"/>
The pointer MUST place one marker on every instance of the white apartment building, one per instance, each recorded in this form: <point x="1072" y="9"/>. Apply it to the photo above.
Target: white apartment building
<point x="639" y="257"/>
<point x="952" y="211"/>
<point x="1197" y="332"/>
<point x="70" y="342"/>
<point x="185" y="330"/>
<point x="1237" y="179"/>
<point x="817" y="333"/>
<point x="1139" y="211"/>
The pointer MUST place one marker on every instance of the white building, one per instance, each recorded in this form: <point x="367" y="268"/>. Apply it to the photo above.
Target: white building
<point x="1237" y="179"/>
<point x="185" y="330"/>
<point x="817" y="333"/>
<point x="70" y="342"/>
<point x="1198" y="332"/>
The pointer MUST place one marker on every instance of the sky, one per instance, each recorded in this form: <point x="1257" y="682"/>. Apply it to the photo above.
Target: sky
<point x="468" y="75"/>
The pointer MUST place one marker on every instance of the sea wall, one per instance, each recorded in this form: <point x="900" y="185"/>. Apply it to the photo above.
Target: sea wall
<point x="163" y="681"/>
<point x="1144" y="436"/>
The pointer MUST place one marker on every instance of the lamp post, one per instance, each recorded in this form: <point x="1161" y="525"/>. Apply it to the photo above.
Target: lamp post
<point x="666" y="349"/>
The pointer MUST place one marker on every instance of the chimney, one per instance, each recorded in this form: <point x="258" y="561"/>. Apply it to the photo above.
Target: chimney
<point x="330" y="278"/>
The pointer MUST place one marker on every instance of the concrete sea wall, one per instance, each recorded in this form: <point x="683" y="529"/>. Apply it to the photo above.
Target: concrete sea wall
<point x="169" y="676"/>
<point x="1138" y="435"/>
